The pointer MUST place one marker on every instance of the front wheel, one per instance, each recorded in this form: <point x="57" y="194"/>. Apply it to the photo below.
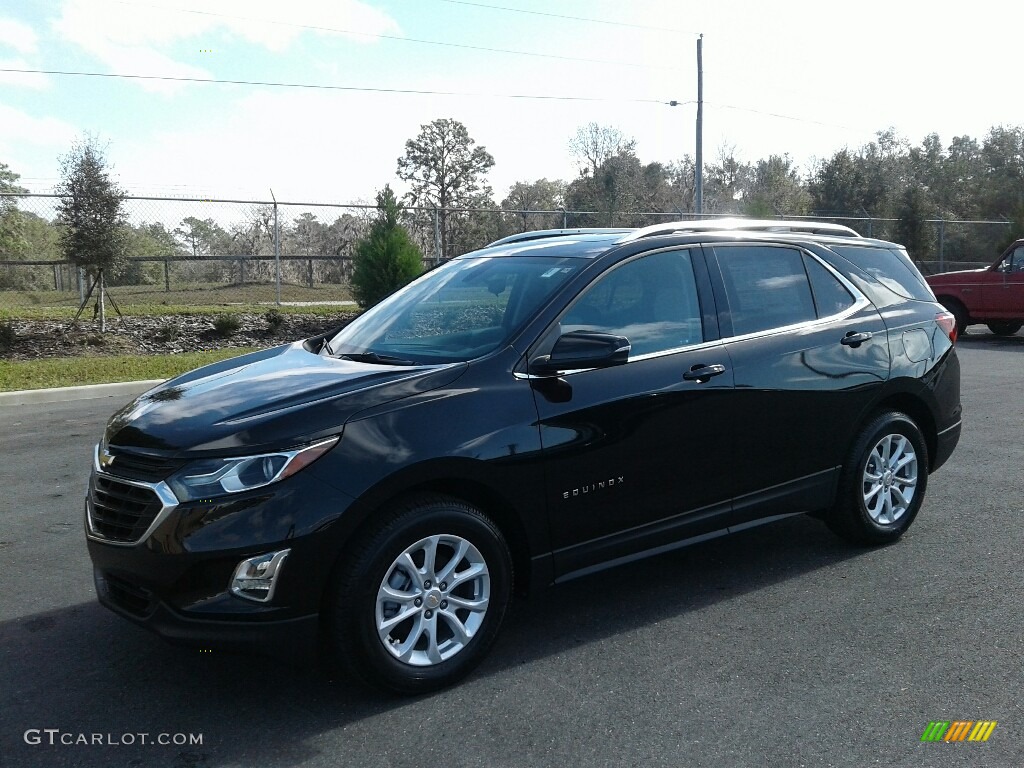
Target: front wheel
<point x="883" y="481"/>
<point x="419" y="600"/>
<point x="1004" y="327"/>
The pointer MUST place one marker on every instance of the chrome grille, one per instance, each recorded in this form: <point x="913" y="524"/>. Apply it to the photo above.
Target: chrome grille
<point x="119" y="511"/>
<point x="135" y="466"/>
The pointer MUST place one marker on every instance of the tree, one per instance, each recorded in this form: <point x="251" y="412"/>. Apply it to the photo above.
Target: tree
<point x="146" y="240"/>
<point x="90" y="210"/>
<point x="726" y="181"/>
<point x="776" y="189"/>
<point x="12" y="238"/>
<point x="620" y="190"/>
<point x="386" y="258"/>
<point x="540" y="195"/>
<point x="911" y="229"/>
<point x="837" y="184"/>
<point x="594" y="145"/>
<point x="202" y="238"/>
<point x="445" y="171"/>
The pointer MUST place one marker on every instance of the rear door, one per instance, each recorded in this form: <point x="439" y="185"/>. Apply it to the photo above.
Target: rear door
<point x="809" y="353"/>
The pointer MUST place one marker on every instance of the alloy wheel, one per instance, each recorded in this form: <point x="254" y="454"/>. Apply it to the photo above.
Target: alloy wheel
<point x="432" y="600"/>
<point x="890" y="479"/>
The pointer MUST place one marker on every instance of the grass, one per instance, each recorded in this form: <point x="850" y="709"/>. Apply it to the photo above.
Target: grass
<point x="73" y="371"/>
<point x="9" y="312"/>
<point x="198" y="298"/>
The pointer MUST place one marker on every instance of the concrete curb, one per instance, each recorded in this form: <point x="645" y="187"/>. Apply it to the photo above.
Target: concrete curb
<point x="88" y="392"/>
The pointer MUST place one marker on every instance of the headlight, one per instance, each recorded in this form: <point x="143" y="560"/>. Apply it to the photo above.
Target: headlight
<point x="207" y="478"/>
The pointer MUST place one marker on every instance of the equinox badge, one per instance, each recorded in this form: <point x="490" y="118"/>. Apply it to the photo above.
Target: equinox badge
<point x="611" y="482"/>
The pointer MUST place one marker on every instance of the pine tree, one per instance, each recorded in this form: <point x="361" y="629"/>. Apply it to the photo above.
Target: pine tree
<point x="90" y="210"/>
<point x="386" y="259"/>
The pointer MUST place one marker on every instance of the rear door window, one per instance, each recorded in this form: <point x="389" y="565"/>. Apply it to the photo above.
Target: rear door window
<point x="767" y="287"/>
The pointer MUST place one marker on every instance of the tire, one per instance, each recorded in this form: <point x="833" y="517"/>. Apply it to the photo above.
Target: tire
<point x="388" y="574"/>
<point x="877" y="505"/>
<point x="1004" y="327"/>
<point x="959" y="312"/>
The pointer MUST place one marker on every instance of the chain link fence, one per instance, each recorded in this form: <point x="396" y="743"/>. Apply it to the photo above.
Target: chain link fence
<point x="192" y="251"/>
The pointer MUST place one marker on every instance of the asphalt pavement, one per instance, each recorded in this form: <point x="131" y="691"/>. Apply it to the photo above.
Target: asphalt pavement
<point x="779" y="646"/>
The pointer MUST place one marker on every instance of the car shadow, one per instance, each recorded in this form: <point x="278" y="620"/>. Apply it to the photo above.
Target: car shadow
<point x="81" y="669"/>
<point x="978" y="336"/>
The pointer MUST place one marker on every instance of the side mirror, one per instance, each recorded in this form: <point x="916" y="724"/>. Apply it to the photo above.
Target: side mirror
<point x="582" y="349"/>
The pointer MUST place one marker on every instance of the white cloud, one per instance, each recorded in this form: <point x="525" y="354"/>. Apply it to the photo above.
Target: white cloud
<point x="116" y="30"/>
<point x="328" y="156"/>
<point x="20" y="128"/>
<point x="25" y="79"/>
<point x="16" y="35"/>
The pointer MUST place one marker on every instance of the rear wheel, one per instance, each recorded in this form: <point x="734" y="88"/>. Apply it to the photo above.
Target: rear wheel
<point x="883" y="482"/>
<point x="419" y="600"/>
<point x="1004" y="327"/>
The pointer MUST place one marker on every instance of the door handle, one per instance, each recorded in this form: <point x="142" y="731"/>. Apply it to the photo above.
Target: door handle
<point x="855" y="339"/>
<point x="702" y="373"/>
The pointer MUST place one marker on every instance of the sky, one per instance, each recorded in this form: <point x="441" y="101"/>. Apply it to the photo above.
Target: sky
<point x="790" y="77"/>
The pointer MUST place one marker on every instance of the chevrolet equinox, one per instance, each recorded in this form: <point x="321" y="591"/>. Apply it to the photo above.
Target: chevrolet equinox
<point x="519" y="416"/>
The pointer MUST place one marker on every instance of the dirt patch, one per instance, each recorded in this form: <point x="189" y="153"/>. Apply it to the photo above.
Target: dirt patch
<point x="157" y="335"/>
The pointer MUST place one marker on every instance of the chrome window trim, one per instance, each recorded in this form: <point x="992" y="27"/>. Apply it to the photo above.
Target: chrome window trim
<point x="859" y="305"/>
<point x="637" y="359"/>
<point x="163" y="492"/>
<point x="860" y="301"/>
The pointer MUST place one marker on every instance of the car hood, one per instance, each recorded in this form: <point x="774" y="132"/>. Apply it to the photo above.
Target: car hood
<point x="267" y="400"/>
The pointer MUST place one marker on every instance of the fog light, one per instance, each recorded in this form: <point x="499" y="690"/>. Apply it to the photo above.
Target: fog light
<point x="256" y="577"/>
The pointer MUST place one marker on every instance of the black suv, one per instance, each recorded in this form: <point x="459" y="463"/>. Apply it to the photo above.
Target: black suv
<point x="520" y="416"/>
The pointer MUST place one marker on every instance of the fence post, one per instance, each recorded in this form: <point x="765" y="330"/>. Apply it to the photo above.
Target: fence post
<point x="277" y="251"/>
<point x="942" y="245"/>
<point x="438" y="255"/>
<point x="81" y="287"/>
<point x="167" y="275"/>
<point x="565" y="219"/>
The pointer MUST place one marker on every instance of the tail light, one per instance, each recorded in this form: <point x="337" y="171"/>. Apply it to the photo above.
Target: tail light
<point x="947" y="323"/>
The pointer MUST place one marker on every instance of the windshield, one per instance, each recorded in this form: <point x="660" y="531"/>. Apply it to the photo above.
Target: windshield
<point x="461" y="310"/>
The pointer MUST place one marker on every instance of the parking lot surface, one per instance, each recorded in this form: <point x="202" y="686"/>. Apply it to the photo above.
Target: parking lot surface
<point x="779" y="646"/>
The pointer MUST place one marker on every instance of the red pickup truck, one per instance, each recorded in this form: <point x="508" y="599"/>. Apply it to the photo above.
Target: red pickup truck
<point x="994" y="295"/>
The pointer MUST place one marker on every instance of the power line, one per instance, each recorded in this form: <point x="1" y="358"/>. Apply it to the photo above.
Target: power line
<point x="776" y="114"/>
<point x="571" y="18"/>
<point x="317" y="86"/>
<point x="399" y="38"/>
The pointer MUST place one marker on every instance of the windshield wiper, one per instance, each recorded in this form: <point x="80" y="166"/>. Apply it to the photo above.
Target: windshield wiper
<point x="375" y="357"/>
<point x="326" y="347"/>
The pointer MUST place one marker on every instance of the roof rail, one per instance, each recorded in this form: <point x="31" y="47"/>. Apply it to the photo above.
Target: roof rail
<point x="540" y="234"/>
<point x="751" y="225"/>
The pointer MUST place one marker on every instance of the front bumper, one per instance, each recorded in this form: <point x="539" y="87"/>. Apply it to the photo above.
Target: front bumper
<point x="289" y="639"/>
<point x="176" y="580"/>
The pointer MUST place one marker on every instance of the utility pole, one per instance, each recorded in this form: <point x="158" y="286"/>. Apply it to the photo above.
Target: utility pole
<point x="699" y="170"/>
